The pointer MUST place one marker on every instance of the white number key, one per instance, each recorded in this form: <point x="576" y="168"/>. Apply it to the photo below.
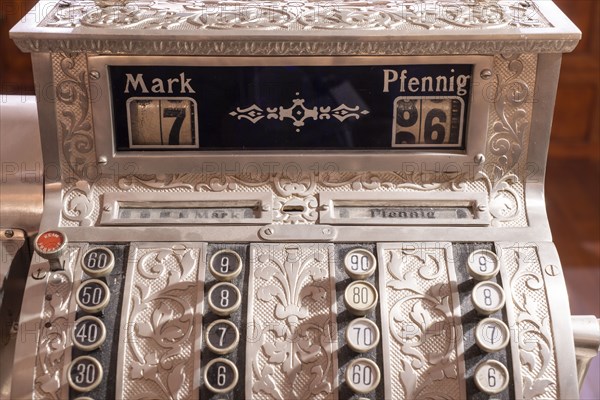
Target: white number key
<point x="360" y="297"/>
<point x="360" y="263"/>
<point x="491" y="377"/>
<point x="483" y="265"/>
<point x="488" y="297"/>
<point x="362" y="375"/>
<point x="362" y="335"/>
<point x="492" y="335"/>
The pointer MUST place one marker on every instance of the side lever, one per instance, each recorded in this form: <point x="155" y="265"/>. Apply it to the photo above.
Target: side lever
<point x="586" y="333"/>
<point x="51" y="245"/>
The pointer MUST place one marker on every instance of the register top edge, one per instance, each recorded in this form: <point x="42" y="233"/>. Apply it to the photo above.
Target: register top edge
<point x="505" y="25"/>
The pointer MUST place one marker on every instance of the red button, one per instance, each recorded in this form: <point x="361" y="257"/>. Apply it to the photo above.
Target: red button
<point x="50" y="241"/>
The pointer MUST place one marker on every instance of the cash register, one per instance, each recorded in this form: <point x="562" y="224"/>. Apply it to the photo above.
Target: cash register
<point x="295" y="200"/>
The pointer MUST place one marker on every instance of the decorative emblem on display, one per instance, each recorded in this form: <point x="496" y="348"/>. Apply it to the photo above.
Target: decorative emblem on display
<point x="298" y="113"/>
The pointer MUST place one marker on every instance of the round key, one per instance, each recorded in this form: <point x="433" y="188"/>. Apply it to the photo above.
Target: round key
<point x="360" y="297"/>
<point x="225" y="265"/>
<point x="89" y="333"/>
<point x="50" y="244"/>
<point x="492" y="335"/>
<point x="222" y="336"/>
<point x="224" y="298"/>
<point x="220" y="375"/>
<point x="362" y="335"/>
<point x="85" y="373"/>
<point x="360" y="263"/>
<point x="93" y="295"/>
<point x="362" y="375"/>
<point x="487" y="297"/>
<point x="98" y="261"/>
<point x="483" y="265"/>
<point x="491" y="377"/>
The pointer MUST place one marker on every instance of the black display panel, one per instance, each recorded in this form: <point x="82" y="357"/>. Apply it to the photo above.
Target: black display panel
<point x="197" y="108"/>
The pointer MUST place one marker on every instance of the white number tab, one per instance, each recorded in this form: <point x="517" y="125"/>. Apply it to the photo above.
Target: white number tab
<point x="483" y="265"/>
<point x="491" y="377"/>
<point x="362" y="375"/>
<point x="360" y="298"/>
<point x="362" y="335"/>
<point x="492" y="335"/>
<point x="162" y="123"/>
<point x="488" y="297"/>
<point x="360" y="263"/>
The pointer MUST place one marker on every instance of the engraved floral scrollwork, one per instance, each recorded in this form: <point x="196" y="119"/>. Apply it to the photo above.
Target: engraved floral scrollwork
<point x="252" y="16"/>
<point x="507" y="140"/>
<point x="232" y="182"/>
<point x="79" y="204"/>
<point x="161" y="321"/>
<point x="294" y="182"/>
<point x="480" y="14"/>
<point x="332" y="17"/>
<point x="535" y="337"/>
<point x="297" y="348"/>
<point x="421" y="322"/>
<point x="135" y="15"/>
<point x="526" y="14"/>
<point x="503" y="198"/>
<point x="357" y="181"/>
<point x="74" y="124"/>
<point x="296" y="15"/>
<point x="54" y="339"/>
<point x="160" y="181"/>
<point x="423" y="181"/>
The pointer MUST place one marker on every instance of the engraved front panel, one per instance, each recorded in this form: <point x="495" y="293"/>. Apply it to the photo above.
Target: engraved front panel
<point x="292" y="322"/>
<point x="508" y="95"/>
<point x="421" y="326"/>
<point x="159" y="357"/>
<point x="528" y="310"/>
<point x="57" y="318"/>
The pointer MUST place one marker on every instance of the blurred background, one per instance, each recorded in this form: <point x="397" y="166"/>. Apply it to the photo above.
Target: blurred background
<point x="573" y="175"/>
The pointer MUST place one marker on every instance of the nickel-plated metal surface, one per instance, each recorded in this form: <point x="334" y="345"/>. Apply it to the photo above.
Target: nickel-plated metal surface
<point x="295" y="209"/>
<point x="21" y="197"/>
<point x="161" y="321"/>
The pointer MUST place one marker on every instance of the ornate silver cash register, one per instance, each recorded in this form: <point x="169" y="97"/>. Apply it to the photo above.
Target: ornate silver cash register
<point x="296" y="200"/>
